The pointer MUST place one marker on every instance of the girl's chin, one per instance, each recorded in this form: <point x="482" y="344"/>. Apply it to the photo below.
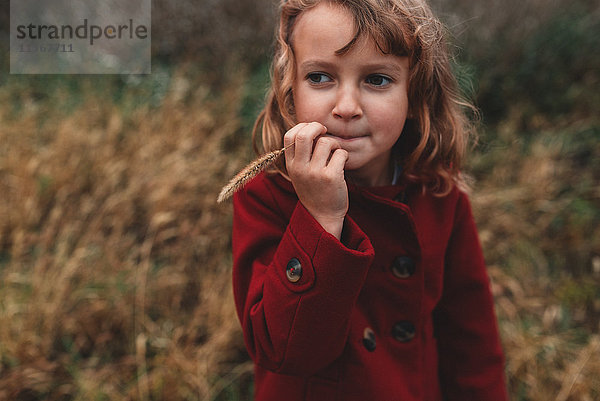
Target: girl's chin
<point x="353" y="166"/>
<point x="356" y="160"/>
<point x="367" y="172"/>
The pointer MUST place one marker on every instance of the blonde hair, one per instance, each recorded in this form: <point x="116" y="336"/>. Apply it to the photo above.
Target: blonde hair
<point x="432" y="145"/>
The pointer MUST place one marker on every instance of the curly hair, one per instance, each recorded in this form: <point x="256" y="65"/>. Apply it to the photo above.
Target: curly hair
<point x="433" y="143"/>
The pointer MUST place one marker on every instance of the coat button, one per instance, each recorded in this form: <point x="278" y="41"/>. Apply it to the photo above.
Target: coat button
<point x="369" y="339"/>
<point x="403" y="331"/>
<point x="293" y="270"/>
<point x="403" y="267"/>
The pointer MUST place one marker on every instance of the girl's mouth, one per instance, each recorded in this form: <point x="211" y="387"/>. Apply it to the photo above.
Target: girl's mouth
<point x="345" y="137"/>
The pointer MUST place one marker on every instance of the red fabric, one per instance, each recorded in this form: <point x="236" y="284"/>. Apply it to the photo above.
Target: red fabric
<point x="306" y="338"/>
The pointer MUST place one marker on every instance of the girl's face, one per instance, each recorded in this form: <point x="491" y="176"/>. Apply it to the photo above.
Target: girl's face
<point x="360" y="96"/>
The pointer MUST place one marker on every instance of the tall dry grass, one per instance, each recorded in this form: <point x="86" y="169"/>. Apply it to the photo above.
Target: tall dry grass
<point x="114" y="257"/>
<point x="537" y="204"/>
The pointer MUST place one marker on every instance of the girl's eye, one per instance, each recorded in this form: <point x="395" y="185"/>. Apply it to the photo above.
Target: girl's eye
<point x="378" y="80"/>
<point x="318" y="78"/>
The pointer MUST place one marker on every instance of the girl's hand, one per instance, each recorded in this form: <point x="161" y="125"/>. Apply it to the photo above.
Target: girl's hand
<point x="315" y="164"/>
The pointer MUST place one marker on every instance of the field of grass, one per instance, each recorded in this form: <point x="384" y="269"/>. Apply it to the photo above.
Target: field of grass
<point x="115" y="259"/>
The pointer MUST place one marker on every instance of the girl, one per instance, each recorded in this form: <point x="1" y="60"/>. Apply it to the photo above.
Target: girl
<point x="358" y="273"/>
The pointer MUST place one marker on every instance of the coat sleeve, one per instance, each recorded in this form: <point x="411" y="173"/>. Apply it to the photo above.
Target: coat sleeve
<point x="471" y="362"/>
<point x="293" y="327"/>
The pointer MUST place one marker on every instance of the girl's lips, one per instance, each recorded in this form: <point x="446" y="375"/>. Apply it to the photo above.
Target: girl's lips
<point x="345" y="137"/>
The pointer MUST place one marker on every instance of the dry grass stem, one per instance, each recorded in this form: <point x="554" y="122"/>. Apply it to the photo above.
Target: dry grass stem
<point x="249" y="172"/>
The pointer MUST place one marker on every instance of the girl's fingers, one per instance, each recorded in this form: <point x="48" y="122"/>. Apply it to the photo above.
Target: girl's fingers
<point x="322" y="151"/>
<point x="289" y="139"/>
<point x="304" y="139"/>
<point x="338" y="159"/>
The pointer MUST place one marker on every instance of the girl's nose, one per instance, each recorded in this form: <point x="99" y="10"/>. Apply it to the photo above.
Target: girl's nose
<point x="347" y="105"/>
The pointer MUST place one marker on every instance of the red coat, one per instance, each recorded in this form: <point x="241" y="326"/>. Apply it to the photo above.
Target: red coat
<point x="400" y="309"/>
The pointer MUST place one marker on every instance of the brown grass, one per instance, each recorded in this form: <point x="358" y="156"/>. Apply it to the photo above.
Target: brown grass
<point x="115" y="257"/>
<point x="551" y="339"/>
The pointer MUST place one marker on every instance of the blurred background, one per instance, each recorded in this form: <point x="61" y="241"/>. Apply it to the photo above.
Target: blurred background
<point x="115" y="259"/>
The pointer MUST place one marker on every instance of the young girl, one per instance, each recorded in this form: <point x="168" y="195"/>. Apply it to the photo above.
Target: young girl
<point x="358" y="274"/>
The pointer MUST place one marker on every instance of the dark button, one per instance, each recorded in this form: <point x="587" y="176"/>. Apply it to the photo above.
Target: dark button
<point x="403" y="331"/>
<point x="293" y="270"/>
<point x="403" y="267"/>
<point x="369" y="339"/>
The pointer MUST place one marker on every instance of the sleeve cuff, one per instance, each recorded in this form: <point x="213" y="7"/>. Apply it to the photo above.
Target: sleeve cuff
<point x="320" y="253"/>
